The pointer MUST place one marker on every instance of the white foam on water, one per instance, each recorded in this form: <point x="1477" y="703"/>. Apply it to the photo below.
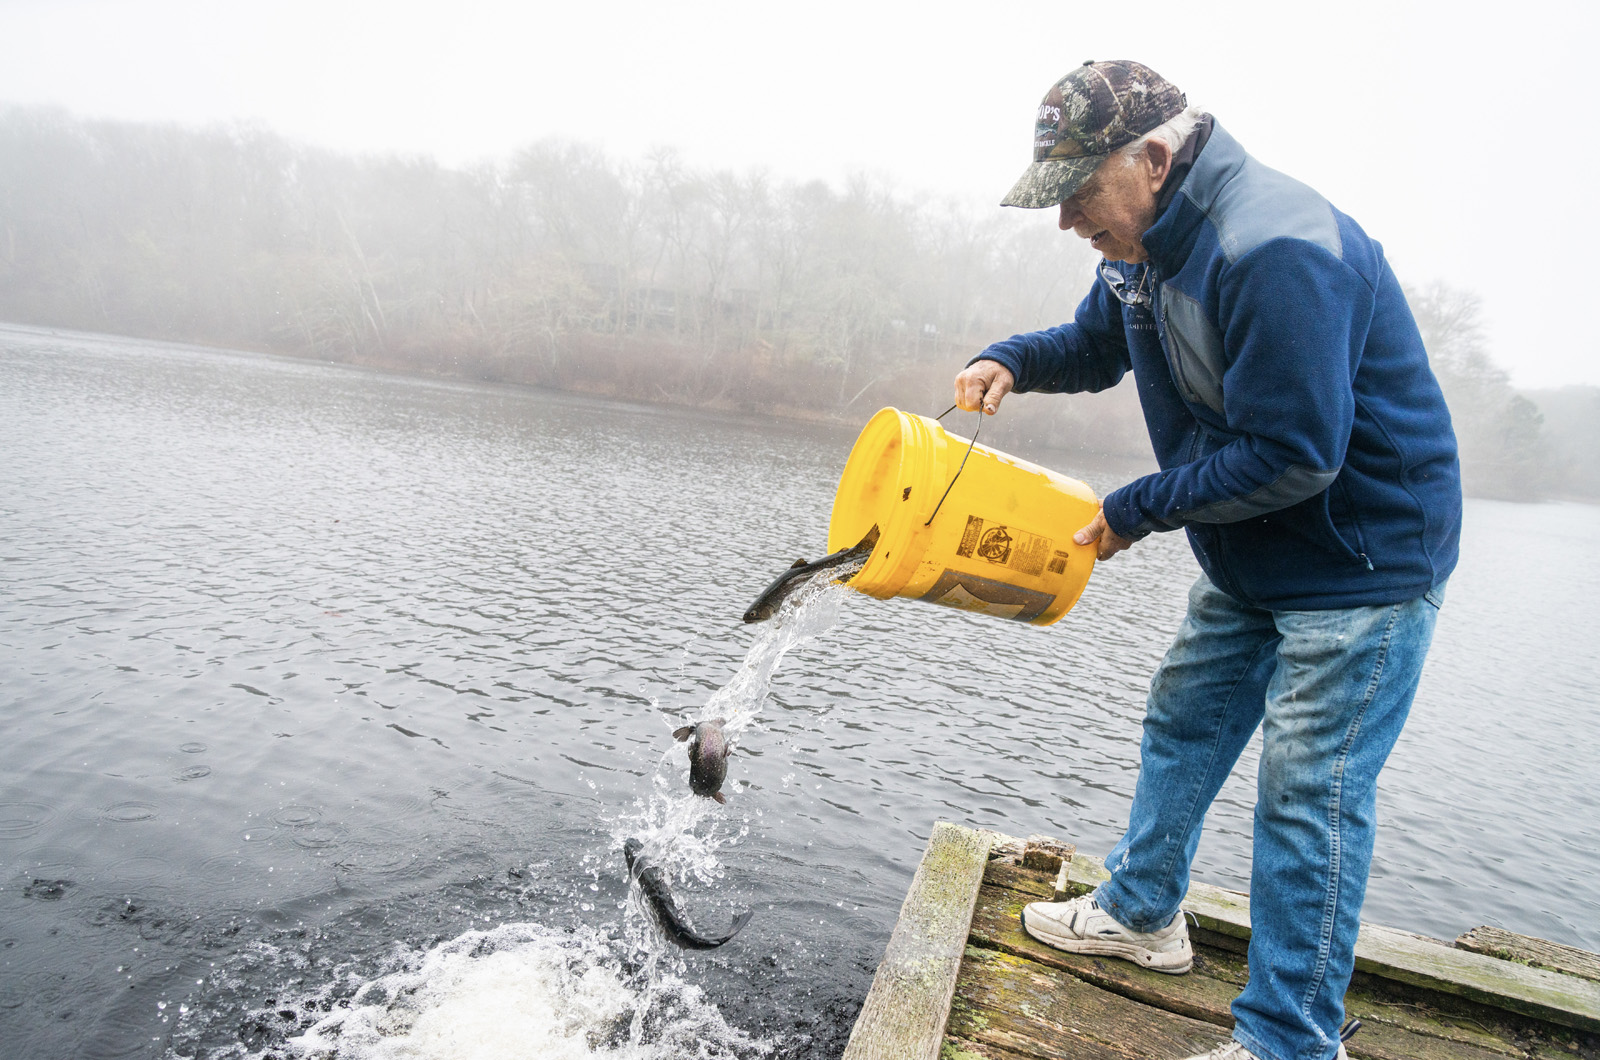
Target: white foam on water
<point x="519" y="991"/>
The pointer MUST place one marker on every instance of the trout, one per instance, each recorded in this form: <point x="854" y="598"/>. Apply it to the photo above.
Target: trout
<point x="659" y="897"/>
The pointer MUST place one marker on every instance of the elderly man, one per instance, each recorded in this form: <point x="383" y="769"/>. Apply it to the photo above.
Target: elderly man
<point x="1305" y="448"/>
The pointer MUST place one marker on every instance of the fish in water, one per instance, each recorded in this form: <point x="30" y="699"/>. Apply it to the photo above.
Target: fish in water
<point x="708" y="756"/>
<point x="787" y="583"/>
<point x="659" y="897"/>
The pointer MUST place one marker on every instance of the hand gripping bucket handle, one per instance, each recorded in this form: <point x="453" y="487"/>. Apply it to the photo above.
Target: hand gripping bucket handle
<point x="961" y="524"/>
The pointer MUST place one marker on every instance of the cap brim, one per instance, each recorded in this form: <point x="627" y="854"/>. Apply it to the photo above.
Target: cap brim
<point x="1049" y="182"/>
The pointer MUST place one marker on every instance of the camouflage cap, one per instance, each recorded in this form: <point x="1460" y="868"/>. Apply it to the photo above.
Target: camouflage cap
<point x="1085" y="116"/>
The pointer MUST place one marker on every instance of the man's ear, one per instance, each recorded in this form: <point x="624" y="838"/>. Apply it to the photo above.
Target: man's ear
<point x="1158" y="156"/>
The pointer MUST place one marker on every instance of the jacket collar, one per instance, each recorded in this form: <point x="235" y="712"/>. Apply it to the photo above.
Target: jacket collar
<point x="1170" y="240"/>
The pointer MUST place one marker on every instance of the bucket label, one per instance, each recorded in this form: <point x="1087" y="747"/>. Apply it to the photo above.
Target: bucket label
<point x="1005" y="546"/>
<point x="969" y="592"/>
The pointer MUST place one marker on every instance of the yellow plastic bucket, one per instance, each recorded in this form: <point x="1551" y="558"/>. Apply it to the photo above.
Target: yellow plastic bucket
<point x="1000" y="543"/>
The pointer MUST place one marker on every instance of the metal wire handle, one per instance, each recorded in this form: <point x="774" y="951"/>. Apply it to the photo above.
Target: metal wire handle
<point x="957" y="475"/>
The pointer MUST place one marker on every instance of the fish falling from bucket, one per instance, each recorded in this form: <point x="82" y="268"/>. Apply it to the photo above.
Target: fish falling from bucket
<point x="708" y="757"/>
<point x="847" y="562"/>
<point x="659" y="900"/>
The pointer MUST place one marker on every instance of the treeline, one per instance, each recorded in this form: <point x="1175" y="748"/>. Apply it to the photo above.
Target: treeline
<point x="560" y="267"/>
<point x="640" y="278"/>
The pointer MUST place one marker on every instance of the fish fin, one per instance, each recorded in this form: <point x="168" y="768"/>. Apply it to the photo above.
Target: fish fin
<point x="738" y="924"/>
<point x="797" y="563"/>
<point x="721" y="799"/>
<point x="683" y="733"/>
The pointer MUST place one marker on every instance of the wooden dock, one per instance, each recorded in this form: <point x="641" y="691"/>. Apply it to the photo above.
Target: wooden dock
<point x="960" y="980"/>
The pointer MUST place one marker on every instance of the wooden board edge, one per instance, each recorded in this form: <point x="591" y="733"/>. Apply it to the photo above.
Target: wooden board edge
<point x="1527" y="949"/>
<point x="908" y="1004"/>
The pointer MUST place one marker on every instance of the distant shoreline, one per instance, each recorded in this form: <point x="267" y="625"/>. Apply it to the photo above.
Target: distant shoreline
<point x="1032" y="426"/>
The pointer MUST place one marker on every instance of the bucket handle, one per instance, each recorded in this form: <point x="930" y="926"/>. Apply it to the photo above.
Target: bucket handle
<point x="957" y="475"/>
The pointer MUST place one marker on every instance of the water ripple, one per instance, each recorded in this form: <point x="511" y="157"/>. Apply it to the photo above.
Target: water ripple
<point x="18" y="820"/>
<point x="129" y="812"/>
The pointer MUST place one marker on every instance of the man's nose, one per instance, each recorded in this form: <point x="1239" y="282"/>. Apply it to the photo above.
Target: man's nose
<point x="1069" y="215"/>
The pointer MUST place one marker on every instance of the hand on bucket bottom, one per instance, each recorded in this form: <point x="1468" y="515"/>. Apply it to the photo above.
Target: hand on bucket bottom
<point x="1099" y="530"/>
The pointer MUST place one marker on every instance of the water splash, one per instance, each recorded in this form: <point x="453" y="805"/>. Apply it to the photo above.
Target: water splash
<point x="807" y="614"/>
<point x="517" y="991"/>
<point x="685" y="834"/>
<point x="528" y="989"/>
<point x="667" y="820"/>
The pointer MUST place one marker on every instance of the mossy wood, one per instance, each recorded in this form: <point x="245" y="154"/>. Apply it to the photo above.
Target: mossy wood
<point x="1417" y="960"/>
<point x="904" y="1015"/>
<point x="1039" y="1010"/>
<point x="1015" y="998"/>
<point x="1395" y="1027"/>
<point x="1525" y="949"/>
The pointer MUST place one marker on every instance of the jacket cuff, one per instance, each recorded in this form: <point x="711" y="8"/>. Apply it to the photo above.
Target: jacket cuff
<point x="1124" y="519"/>
<point x="1001" y="355"/>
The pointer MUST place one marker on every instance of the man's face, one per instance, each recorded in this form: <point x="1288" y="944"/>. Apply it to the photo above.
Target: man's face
<point x="1115" y="207"/>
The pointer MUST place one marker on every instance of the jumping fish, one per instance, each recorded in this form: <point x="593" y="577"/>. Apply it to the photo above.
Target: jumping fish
<point x="708" y="757"/>
<point x="659" y="897"/>
<point x="854" y="557"/>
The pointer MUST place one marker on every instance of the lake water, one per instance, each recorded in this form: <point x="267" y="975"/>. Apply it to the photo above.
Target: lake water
<point x="327" y="698"/>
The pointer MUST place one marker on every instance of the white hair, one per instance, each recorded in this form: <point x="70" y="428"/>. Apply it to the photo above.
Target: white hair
<point x="1172" y="133"/>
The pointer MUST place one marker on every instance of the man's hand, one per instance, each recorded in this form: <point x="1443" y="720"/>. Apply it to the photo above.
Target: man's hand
<point x="1099" y="530"/>
<point x="985" y="383"/>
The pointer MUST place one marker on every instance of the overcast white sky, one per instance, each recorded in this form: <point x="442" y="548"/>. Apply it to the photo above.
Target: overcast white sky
<point x="1460" y="134"/>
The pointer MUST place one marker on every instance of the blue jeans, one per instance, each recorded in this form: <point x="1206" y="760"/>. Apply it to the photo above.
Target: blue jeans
<point x="1331" y="690"/>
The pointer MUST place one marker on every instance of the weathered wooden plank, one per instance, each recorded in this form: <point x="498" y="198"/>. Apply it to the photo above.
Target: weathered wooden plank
<point x="1018" y="1004"/>
<point x="1408" y="958"/>
<point x="995" y="924"/>
<point x="904" y="1015"/>
<point x="1391" y="1031"/>
<point x="967" y="1049"/>
<point x="1045" y="854"/>
<point x="1525" y="949"/>
<point x="1035" y="884"/>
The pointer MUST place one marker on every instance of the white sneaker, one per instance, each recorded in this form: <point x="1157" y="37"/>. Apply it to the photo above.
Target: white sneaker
<point x="1081" y="926"/>
<point x="1235" y="1051"/>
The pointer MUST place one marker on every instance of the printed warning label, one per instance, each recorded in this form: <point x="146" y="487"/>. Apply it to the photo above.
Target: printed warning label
<point x="1058" y="563"/>
<point x="969" y="536"/>
<point x="1005" y="546"/>
<point x="995" y="546"/>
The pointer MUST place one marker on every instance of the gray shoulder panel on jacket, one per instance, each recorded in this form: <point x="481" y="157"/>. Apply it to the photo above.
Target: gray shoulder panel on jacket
<point x="1249" y="204"/>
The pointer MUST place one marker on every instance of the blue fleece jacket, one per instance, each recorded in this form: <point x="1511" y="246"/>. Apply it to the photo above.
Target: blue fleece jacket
<point x="1303" y="441"/>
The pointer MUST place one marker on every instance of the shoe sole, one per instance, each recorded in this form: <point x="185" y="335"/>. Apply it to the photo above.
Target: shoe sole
<point x="1166" y="963"/>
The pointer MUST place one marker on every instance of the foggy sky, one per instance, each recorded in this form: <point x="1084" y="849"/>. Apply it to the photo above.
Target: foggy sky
<point x="1454" y="133"/>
